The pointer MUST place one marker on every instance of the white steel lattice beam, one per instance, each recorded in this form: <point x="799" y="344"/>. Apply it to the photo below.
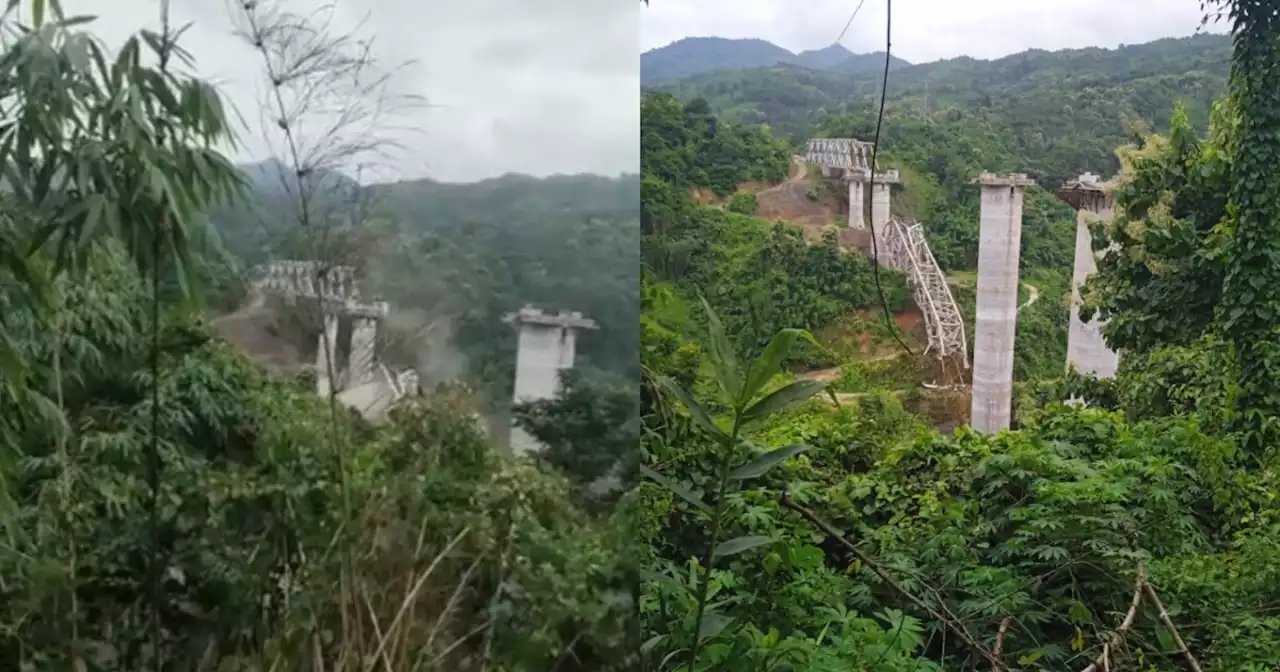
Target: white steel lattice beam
<point x="292" y="278"/>
<point x="909" y="252"/>
<point x="845" y="153"/>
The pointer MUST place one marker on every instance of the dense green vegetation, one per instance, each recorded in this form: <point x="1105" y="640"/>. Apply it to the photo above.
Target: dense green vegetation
<point x="166" y="504"/>
<point x="1138" y="531"/>
<point x="759" y="275"/>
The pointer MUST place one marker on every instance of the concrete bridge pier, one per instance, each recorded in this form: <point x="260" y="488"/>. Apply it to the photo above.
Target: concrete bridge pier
<point x="1086" y="349"/>
<point x="857" y="199"/>
<point x="547" y="346"/>
<point x="365" y="321"/>
<point x="999" y="245"/>
<point x="881" y="202"/>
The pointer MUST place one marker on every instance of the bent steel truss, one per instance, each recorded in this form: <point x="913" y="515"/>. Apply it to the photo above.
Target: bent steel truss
<point x="909" y="252"/>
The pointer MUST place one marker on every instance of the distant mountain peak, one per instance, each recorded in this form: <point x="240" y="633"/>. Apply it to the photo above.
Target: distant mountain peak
<point x="833" y="48"/>
<point x="272" y="175"/>
<point x="697" y="55"/>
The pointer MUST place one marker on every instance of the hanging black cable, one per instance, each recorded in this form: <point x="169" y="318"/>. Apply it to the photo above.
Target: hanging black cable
<point x="875" y="148"/>
<point x="850" y="21"/>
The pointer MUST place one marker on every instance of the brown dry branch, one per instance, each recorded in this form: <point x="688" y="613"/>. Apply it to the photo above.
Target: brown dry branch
<point x="1142" y="586"/>
<point x="956" y="627"/>
<point x="1103" y="660"/>
<point x="1004" y="627"/>
<point x="1163" y="615"/>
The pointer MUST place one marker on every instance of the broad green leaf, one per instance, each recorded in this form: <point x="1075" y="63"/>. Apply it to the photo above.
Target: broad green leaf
<point x="1031" y="657"/>
<point x="713" y="624"/>
<point x="769" y="362"/>
<point x="650" y="644"/>
<point x="667" y="658"/>
<point x="761" y="464"/>
<point x="684" y="493"/>
<point x="696" y="411"/>
<point x="781" y="400"/>
<point x="740" y="544"/>
<point x="722" y="357"/>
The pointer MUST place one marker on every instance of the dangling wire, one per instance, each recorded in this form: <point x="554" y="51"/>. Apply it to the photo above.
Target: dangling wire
<point x="875" y="147"/>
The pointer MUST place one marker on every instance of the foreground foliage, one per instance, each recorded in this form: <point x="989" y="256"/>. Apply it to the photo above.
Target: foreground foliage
<point x="163" y="502"/>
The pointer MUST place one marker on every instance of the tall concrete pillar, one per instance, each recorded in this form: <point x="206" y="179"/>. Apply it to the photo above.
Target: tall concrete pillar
<point x="857" y="202"/>
<point x="999" y="243"/>
<point x="362" y="362"/>
<point x="881" y="196"/>
<point x="547" y="346"/>
<point x="327" y="354"/>
<point x="1087" y="351"/>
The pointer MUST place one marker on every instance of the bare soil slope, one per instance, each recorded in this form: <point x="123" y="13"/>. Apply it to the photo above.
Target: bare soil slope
<point x="256" y="330"/>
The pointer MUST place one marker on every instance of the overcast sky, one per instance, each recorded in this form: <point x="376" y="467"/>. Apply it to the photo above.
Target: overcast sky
<point x="925" y="30"/>
<point x="515" y="86"/>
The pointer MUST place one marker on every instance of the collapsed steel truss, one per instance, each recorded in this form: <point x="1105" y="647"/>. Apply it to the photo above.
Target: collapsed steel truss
<point x="293" y="278"/>
<point x="909" y="252"/>
<point x="845" y="153"/>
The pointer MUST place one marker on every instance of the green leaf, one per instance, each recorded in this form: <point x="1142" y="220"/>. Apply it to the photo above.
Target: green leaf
<point x="684" y="493"/>
<point x="761" y="464"/>
<point x="770" y="361"/>
<point x="648" y="646"/>
<point x="740" y="544"/>
<point x="780" y="400"/>
<point x="696" y="411"/>
<point x="713" y="624"/>
<point x="1031" y="657"/>
<point x="722" y="357"/>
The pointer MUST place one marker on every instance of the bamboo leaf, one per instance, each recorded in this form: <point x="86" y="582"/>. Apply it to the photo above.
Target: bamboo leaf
<point x="713" y="624"/>
<point x="722" y="356"/>
<point x="684" y="493"/>
<point x="770" y="361"/>
<point x="650" y="644"/>
<point x="763" y="463"/>
<point x="780" y="400"/>
<point x="696" y="411"/>
<point x="740" y="544"/>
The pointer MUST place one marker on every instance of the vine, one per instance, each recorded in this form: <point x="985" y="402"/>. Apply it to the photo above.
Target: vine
<point x="1251" y="289"/>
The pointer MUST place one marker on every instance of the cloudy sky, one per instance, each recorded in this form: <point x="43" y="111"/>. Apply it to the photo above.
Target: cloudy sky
<point x="925" y="30"/>
<point x="513" y="86"/>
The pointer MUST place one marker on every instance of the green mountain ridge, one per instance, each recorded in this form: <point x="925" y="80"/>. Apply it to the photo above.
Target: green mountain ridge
<point x="699" y="55"/>
<point x="1061" y="112"/>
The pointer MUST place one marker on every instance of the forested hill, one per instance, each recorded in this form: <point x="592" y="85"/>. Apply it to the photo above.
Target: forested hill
<point x="460" y="256"/>
<point x="697" y="55"/>
<point x="1056" y="112"/>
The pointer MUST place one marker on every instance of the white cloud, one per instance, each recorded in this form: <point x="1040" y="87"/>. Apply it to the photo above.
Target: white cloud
<point x="536" y="88"/>
<point x="925" y="30"/>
